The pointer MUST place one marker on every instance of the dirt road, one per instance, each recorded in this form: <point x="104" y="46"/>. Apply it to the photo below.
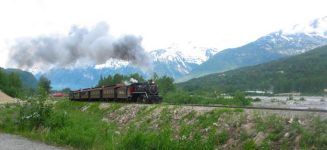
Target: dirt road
<point x="12" y="142"/>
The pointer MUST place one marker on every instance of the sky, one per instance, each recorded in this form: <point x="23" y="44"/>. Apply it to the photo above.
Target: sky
<point x="208" y="23"/>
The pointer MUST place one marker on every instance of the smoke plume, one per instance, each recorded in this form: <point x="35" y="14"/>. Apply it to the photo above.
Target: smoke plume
<point x="80" y="47"/>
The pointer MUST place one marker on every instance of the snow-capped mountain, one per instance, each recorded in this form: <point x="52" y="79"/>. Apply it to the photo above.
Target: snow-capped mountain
<point x="189" y="61"/>
<point x="175" y="61"/>
<point x="179" y="60"/>
<point x="283" y="43"/>
<point x="188" y="51"/>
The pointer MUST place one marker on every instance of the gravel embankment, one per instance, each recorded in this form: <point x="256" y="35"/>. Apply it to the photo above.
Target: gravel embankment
<point x="12" y="142"/>
<point x="4" y="98"/>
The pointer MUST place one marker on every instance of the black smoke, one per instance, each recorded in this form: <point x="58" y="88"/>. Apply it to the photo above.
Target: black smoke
<point x="80" y="47"/>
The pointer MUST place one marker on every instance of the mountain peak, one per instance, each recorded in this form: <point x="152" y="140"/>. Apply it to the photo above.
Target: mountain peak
<point x="190" y="52"/>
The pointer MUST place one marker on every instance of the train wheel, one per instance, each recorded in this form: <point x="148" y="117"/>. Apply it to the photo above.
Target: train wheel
<point x="141" y="99"/>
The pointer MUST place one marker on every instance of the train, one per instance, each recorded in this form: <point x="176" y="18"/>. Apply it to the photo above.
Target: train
<point x="143" y="92"/>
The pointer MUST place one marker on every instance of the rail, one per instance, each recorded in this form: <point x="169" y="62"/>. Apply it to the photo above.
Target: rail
<point x="254" y="107"/>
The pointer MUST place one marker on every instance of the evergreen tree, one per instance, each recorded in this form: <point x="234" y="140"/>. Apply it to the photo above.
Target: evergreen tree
<point x="45" y="84"/>
<point x="10" y="83"/>
<point x="165" y="84"/>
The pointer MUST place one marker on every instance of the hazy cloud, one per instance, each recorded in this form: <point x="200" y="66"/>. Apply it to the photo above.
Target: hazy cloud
<point x="80" y="47"/>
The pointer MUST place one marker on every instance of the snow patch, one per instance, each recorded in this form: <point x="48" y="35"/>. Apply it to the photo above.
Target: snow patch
<point x="113" y="64"/>
<point x="186" y="52"/>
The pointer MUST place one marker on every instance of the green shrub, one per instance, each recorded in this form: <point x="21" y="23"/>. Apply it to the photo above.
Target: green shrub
<point x="57" y="119"/>
<point x="34" y="112"/>
<point x="223" y="137"/>
<point x="257" y="100"/>
<point x="240" y="96"/>
<point x="290" y="97"/>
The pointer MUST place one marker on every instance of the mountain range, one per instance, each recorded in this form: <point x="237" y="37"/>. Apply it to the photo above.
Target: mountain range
<point x="283" y="43"/>
<point x="305" y="73"/>
<point x="186" y="61"/>
<point x="171" y="62"/>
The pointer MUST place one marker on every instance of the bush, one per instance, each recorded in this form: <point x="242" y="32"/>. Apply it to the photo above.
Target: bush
<point x="34" y="112"/>
<point x="240" y="96"/>
<point x="290" y="97"/>
<point x="57" y="119"/>
<point x="257" y="100"/>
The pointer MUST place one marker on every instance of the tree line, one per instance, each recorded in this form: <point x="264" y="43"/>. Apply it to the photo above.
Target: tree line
<point x="11" y="84"/>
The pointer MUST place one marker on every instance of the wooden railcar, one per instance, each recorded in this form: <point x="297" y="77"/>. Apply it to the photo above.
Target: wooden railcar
<point x="146" y="92"/>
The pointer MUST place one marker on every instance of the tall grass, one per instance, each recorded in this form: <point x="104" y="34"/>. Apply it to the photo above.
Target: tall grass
<point x="67" y="125"/>
<point x="80" y="125"/>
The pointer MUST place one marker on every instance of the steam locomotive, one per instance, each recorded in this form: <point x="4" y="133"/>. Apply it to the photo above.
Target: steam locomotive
<point x="146" y="92"/>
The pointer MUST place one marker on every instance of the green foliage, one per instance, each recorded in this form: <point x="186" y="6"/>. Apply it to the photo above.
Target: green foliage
<point x="240" y="96"/>
<point x="57" y="120"/>
<point x="68" y="125"/>
<point x="316" y="136"/>
<point x="249" y="145"/>
<point x="45" y="84"/>
<point x="27" y="78"/>
<point x="66" y="90"/>
<point x="10" y="83"/>
<point x="35" y="112"/>
<point x="119" y="78"/>
<point x="165" y="84"/>
<point x="223" y="137"/>
<point x="257" y="100"/>
<point x="305" y="73"/>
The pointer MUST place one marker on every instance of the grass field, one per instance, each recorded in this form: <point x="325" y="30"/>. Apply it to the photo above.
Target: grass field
<point x="95" y="125"/>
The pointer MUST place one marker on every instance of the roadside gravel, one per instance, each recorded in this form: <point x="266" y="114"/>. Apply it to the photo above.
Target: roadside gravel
<point x="13" y="142"/>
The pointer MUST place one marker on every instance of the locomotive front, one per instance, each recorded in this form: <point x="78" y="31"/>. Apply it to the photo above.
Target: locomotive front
<point x="146" y="92"/>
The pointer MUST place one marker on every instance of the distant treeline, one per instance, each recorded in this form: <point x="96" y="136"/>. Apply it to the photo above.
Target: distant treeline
<point x="21" y="84"/>
<point x="119" y="78"/>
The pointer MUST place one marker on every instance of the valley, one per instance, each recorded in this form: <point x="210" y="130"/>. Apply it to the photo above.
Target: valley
<point x="163" y="75"/>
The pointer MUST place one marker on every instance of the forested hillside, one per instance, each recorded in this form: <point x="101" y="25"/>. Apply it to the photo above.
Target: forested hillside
<point x="17" y="83"/>
<point x="10" y="83"/>
<point x="27" y="78"/>
<point x="305" y="73"/>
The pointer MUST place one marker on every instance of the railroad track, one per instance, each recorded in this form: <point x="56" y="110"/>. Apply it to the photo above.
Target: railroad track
<point x="255" y="107"/>
<point x="247" y="107"/>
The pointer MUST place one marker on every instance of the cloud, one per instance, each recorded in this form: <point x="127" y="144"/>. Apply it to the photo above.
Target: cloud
<point x="80" y="47"/>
